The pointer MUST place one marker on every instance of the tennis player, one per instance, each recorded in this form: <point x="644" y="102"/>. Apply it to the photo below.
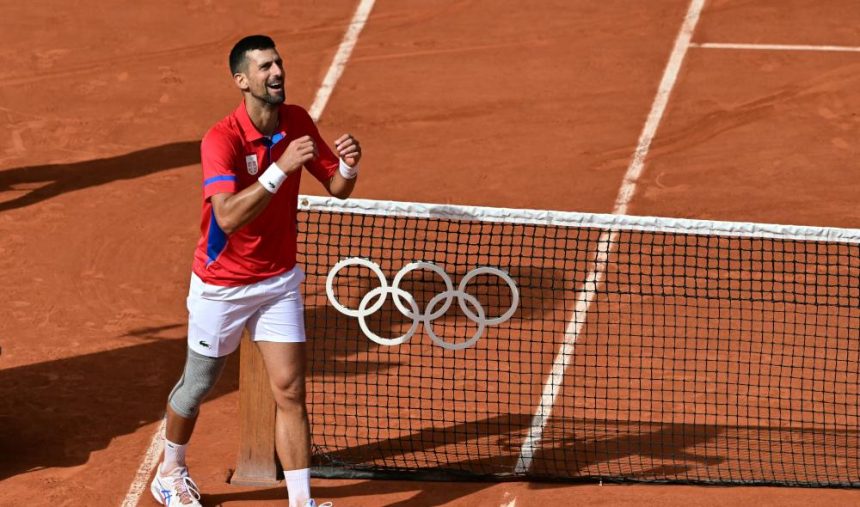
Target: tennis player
<point x="244" y="270"/>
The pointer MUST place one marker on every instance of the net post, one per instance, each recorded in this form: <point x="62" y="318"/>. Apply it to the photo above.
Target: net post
<point x="257" y="461"/>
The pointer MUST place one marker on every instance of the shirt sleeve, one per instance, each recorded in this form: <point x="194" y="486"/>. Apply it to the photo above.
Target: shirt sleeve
<point x="217" y="156"/>
<point x="324" y="166"/>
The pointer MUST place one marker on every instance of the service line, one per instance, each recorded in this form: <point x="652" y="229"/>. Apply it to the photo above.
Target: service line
<point x="335" y="70"/>
<point x="607" y="240"/>
<point x="775" y="47"/>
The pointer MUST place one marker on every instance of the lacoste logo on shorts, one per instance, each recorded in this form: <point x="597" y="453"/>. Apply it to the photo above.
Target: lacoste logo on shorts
<point x="201" y="342"/>
<point x="251" y="162"/>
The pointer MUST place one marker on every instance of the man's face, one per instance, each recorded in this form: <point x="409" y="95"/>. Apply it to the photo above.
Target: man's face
<point x="264" y="76"/>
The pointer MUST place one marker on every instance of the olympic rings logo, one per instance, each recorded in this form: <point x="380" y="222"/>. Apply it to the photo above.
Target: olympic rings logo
<point x="436" y="307"/>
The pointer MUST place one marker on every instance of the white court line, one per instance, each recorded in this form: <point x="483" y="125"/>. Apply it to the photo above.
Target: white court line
<point x="776" y="47"/>
<point x="153" y="452"/>
<point x="150" y="460"/>
<point x="340" y="58"/>
<point x="506" y="503"/>
<point x="607" y="240"/>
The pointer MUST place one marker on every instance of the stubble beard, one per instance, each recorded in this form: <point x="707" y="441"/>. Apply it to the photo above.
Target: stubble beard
<point x="268" y="98"/>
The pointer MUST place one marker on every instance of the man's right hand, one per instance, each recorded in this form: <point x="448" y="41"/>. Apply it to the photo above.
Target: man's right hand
<point x="298" y="152"/>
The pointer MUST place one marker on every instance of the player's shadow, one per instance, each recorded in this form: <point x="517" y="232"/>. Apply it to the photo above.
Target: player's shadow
<point x="56" y="413"/>
<point x="41" y="182"/>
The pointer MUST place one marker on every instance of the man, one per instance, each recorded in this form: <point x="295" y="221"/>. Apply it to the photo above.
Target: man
<point x="244" y="271"/>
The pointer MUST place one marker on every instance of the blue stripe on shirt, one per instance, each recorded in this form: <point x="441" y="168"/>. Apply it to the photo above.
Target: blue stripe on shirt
<point x="216" y="239"/>
<point x="213" y="179"/>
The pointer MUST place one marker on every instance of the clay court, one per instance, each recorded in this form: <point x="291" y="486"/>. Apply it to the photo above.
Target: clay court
<point x="719" y="109"/>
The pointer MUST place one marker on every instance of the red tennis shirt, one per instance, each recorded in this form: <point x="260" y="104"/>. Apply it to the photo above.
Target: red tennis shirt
<point x="233" y="155"/>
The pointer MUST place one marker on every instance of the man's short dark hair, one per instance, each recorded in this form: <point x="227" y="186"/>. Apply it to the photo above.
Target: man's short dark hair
<point x="249" y="43"/>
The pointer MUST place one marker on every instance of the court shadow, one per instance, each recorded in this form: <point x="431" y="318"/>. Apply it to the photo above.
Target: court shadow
<point x="56" y="413"/>
<point x="633" y="451"/>
<point x="51" y="180"/>
<point x="622" y="451"/>
<point x="588" y="450"/>
<point x="423" y="493"/>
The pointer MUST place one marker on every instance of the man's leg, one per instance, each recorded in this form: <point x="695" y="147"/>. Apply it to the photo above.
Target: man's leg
<point x="199" y="377"/>
<point x="285" y="364"/>
<point x="171" y="485"/>
<point x="179" y="429"/>
<point x="214" y="330"/>
<point x="177" y="433"/>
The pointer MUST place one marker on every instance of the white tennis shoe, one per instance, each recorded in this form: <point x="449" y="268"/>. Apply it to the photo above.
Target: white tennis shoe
<point x="312" y="503"/>
<point x="175" y="489"/>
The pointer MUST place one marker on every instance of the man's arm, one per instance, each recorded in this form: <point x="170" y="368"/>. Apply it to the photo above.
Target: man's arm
<point x="339" y="186"/>
<point x="342" y="183"/>
<point x="234" y="211"/>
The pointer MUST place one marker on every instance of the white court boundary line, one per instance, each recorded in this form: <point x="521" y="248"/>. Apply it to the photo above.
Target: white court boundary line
<point x="338" y="64"/>
<point x="775" y="47"/>
<point x="595" y="276"/>
<point x="150" y="460"/>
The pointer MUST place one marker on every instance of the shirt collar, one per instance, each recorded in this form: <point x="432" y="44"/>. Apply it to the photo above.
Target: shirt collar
<point x="249" y="130"/>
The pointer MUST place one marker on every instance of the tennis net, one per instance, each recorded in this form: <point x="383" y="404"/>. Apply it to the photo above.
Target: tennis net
<point x="467" y="342"/>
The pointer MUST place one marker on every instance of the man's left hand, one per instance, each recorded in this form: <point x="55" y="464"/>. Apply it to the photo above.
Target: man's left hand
<point x="348" y="149"/>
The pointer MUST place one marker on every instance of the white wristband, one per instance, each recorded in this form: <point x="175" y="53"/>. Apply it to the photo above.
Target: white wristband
<point x="346" y="171"/>
<point x="272" y="178"/>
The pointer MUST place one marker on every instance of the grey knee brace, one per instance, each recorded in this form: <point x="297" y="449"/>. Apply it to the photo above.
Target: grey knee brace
<point x="199" y="377"/>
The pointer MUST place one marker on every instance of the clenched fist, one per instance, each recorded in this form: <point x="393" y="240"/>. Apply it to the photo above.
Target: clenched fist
<point x="348" y="149"/>
<point x="299" y="152"/>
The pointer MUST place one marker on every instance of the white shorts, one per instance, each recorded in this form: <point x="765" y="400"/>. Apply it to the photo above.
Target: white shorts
<point x="271" y="309"/>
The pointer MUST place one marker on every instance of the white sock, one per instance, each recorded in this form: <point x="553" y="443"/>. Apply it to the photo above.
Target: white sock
<point x="174" y="456"/>
<point x="298" y="486"/>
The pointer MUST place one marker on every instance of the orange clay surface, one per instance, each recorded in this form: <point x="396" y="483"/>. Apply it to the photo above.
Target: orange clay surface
<point x="489" y="102"/>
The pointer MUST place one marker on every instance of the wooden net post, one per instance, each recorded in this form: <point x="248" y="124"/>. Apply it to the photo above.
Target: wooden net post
<point x="258" y="463"/>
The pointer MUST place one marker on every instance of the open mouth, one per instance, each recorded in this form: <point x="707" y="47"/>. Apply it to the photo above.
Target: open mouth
<point x="277" y="86"/>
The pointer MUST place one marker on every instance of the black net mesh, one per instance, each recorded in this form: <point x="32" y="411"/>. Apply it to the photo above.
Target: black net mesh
<point x="643" y="356"/>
